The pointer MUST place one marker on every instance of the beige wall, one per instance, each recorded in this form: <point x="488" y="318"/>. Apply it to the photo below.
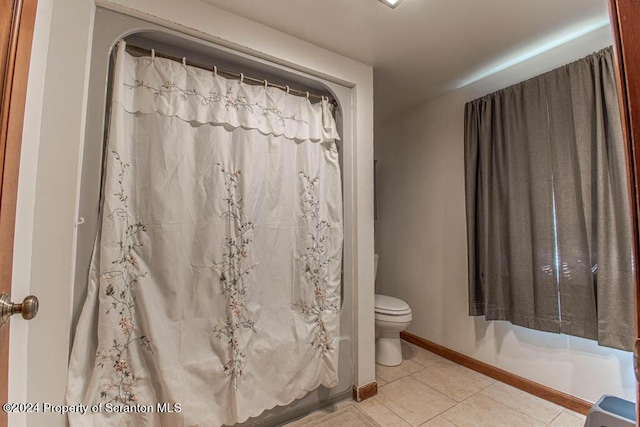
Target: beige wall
<point x="421" y="239"/>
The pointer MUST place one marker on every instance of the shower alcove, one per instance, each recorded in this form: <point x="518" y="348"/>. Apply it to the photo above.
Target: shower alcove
<point x="110" y="27"/>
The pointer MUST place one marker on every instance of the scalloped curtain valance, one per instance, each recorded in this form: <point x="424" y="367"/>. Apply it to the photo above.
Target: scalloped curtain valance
<point x="195" y="95"/>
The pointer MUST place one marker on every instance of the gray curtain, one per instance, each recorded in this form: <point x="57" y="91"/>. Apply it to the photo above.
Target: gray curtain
<point x="548" y="215"/>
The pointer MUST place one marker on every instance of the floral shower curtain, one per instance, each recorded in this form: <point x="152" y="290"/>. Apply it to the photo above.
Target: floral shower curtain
<point x="214" y="290"/>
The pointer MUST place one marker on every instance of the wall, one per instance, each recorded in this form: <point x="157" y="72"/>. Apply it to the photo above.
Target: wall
<point x="421" y="239"/>
<point x="48" y="194"/>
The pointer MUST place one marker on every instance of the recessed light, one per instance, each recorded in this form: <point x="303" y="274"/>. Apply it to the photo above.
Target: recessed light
<point x="391" y="3"/>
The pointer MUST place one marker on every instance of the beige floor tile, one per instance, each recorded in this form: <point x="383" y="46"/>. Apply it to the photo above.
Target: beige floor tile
<point x="568" y="419"/>
<point x="526" y="403"/>
<point x="454" y="381"/>
<point x="437" y="422"/>
<point x="575" y="414"/>
<point x="413" y="401"/>
<point x="380" y="381"/>
<point x="419" y="355"/>
<point x="392" y="373"/>
<point x="381" y="414"/>
<point x="343" y="414"/>
<point x="481" y="411"/>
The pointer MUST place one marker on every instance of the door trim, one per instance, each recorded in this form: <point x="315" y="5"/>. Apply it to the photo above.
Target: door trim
<point x="16" y="30"/>
<point x="625" y="17"/>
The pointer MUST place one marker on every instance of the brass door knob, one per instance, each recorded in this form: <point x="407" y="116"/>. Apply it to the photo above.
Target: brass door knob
<point x="28" y="308"/>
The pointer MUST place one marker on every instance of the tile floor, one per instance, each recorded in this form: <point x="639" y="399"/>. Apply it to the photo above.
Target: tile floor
<point x="430" y="391"/>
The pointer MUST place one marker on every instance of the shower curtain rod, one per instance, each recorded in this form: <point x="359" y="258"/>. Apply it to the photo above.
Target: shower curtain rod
<point x="230" y="74"/>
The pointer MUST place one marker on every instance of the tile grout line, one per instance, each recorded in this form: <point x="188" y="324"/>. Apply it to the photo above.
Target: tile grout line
<point x="436" y="391"/>
<point x="448" y="397"/>
<point x="442" y="362"/>
<point x="394" y="412"/>
<point x="558" y="397"/>
<point x="404" y="376"/>
<point x="464" y="369"/>
<point x="488" y="397"/>
<point x="562" y="409"/>
<point x="447" y="419"/>
<point x="458" y="403"/>
<point x="494" y="381"/>
<point x="520" y="412"/>
<point x="554" y="419"/>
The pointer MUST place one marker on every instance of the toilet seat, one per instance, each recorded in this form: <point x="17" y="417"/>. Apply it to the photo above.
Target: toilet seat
<point x="391" y="306"/>
<point x="393" y="318"/>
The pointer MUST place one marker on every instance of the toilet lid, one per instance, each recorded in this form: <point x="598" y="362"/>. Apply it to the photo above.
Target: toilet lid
<point x="389" y="305"/>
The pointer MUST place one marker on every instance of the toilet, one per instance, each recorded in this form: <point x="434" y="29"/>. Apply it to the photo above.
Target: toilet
<point x="392" y="316"/>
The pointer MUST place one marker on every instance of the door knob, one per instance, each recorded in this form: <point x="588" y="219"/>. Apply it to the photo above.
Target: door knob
<point x="28" y="308"/>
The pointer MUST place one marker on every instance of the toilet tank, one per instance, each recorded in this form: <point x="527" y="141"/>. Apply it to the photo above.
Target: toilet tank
<point x="375" y="266"/>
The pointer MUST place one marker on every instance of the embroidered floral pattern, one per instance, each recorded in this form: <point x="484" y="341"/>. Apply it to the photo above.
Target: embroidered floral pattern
<point x="232" y="274"/>
<point x="317" y="262"/>
<point x="230" y="100"/>
<point x="117" y="285"/>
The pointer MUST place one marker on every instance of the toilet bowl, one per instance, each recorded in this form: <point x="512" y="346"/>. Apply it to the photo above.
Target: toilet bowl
<point x="392" y="316"/>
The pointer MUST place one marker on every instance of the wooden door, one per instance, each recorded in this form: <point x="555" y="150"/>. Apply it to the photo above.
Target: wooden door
<point x="17" y="19"/>
<point x="625" y="20"/>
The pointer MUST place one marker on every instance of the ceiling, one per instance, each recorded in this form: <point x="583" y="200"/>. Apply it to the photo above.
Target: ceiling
<point x="423" y="48"/>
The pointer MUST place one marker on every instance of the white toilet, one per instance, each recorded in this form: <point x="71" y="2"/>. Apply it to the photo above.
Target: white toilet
<point x="392" y="317"/>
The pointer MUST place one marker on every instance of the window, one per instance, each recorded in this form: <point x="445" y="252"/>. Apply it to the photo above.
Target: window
<point x="548" y="215"/>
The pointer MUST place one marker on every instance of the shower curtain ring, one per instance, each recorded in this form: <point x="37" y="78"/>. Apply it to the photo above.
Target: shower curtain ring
<point x="266" y="83"/>
<point x="307" y="95"/>
<point x="184" y="61"/>
<point x="215" y="70"/>
<point x="241" y="77"/>
<point x="153" y="54"/>
<point x="287" y="86"/>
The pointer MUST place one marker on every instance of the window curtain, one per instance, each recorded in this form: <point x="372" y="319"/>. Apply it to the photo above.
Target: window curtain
<point x="215" y="279"/>
<point x="548" y="214"/>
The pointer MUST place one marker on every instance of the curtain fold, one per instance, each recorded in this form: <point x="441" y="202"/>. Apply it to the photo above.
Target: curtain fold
<point x="215" y="280"/>
<point x="601" y="157"/>
<point x="510" y="218"/>
<point x="549" y="241"/>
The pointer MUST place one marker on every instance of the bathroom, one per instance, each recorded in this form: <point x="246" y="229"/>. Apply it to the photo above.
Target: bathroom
<point x="419" y="232"/>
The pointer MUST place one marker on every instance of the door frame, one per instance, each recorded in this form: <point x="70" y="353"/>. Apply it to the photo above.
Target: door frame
<point x="16" y="35"/>
<point x="625" y="21"/>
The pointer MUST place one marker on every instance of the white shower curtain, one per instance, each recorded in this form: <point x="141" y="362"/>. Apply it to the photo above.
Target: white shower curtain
<point x="214" y="288"/>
